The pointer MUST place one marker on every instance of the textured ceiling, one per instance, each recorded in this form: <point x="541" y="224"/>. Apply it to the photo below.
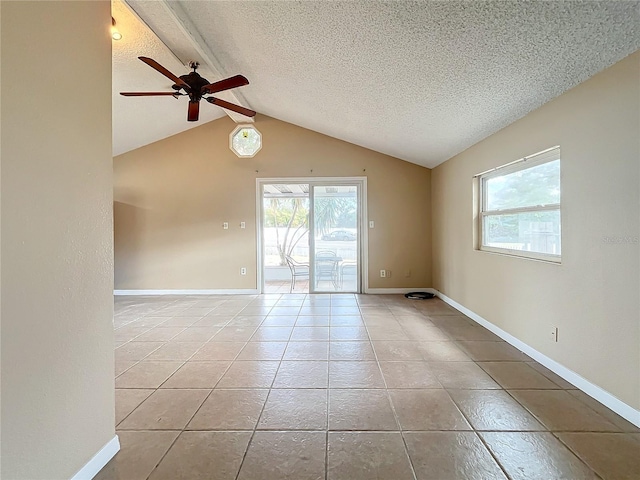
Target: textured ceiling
<point x="420" y="81"/>
<point x="138" y="121"/>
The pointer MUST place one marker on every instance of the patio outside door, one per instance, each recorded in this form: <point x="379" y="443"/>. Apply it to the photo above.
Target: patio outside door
<point x="335" y="238"/>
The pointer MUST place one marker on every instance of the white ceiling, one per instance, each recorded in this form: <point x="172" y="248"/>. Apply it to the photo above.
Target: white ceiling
<point x="421" y="81"/>
<point x="138" y="121"/>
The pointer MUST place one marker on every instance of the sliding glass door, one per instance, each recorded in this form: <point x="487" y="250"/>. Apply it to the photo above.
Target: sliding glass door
<point x="310" y="234"/>
<point x="335" y="237"/>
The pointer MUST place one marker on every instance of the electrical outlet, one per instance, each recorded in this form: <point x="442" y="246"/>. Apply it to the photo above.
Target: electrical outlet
<point x="554" y="334"/>
<point x="243" y="225"/>
<point x="407" y="273"/>
<point x="383" y="274"/>
<point x="243" y="271"/>
<point x="371" y="224"/>
<point x="225" y="225"/>
<point x="388" y="273"/>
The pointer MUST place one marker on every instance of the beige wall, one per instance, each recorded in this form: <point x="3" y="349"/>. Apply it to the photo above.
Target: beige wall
<point x="57" y="267"/>
<point x="171" y="198"/>
<point x="593" y="297"/>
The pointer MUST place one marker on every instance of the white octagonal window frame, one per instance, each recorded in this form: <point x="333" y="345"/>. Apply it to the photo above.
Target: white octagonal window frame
<point x="245" y="141"/>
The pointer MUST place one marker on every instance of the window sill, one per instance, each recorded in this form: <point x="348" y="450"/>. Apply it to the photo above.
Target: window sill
<point x="536" y="257"/>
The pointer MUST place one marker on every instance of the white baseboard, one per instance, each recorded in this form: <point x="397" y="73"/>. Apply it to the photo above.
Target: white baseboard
<point x="392" y="291"/>
<point x="607" y="399"/>
<point x="226" y="291"/>
<point x="99" y="460"/>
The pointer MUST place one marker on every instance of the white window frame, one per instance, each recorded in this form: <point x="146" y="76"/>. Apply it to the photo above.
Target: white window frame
<point x="540" y="158"/>
<point x="363" y="236"/>
<point x="237" y="130"/>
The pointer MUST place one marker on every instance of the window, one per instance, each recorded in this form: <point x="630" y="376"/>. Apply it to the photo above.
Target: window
<point x="519" y="207"/>
<point x="245" y="141"/>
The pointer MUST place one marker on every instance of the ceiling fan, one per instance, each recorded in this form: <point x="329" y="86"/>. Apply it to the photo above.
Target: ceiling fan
<point x="196" y="88"/>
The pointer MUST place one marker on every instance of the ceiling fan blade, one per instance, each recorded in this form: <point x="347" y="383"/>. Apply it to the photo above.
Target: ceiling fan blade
<point x="149" y="94"/>
<point x="153" y="64"/>
<point x="193" y="112"/>
<point x="226" y="84"/>
<point x="231" y="106"/>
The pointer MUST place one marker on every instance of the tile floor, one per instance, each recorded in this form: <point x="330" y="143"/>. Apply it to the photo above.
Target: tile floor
<point x="284" y="286"/>
<point x="302" y="286"/>
<point x="344" y="387"/>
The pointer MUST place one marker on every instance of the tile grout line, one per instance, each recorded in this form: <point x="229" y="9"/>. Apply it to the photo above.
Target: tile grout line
<point x="326" y="435"/>
<point x="402" y="431"/>
<point x="199" y="407"/>
<point x="255" y="427"/>
<point x="393" y="408"/>
<point x="553" y="433"/>
<point x="477" y="432"/>
<point x="177" y="436"/>
<point x="467" y="419"/>
<point x="461" y="413"/>
<point x="395" y="315"/>
<point x="150" y="328"/>
<point x="576" y="454"/>
<point x="478" y="436"/>
<point x="196" y="411"/>
<point x="486" y="446"/>
<point x="165" y="454"/>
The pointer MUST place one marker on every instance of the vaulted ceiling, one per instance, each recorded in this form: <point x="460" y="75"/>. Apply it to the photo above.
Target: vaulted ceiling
<point x="418" y="80"/>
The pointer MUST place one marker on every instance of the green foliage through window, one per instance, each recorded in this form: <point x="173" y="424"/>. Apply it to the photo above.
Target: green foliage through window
<point x="539" y="185"/>
<point x="291" y="214"/>
<point x="520" y="207"/>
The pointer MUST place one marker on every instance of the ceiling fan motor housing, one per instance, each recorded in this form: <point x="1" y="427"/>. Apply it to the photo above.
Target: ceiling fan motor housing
<point x="195" y="82"/>
<point x="195" y="87"/>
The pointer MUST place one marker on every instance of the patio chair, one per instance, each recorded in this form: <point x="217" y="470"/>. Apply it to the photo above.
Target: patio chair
<point x="327" y="267"/>
<point x="298" y="269"/>
<point x="350" y="268"/>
